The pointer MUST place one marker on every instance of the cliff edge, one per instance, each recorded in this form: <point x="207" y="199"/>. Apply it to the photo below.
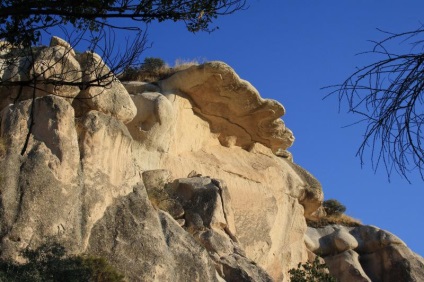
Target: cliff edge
<point x="187" y="179"/>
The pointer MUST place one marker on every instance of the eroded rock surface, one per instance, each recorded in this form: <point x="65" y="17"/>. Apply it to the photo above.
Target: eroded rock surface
<point x="233" y="106"/>
<point x="148" y="245"/>
<point x="188" y="179"/>
<point x="110" y="97"/>
<point x="365" y="253"/>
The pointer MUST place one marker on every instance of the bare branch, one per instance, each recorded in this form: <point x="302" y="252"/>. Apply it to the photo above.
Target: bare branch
<point x="388" y="94"/>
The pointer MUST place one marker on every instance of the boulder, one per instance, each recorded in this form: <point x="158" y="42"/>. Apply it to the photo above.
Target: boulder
<point x="56" y="71"/>
<point x="210" y="220"/>
<point x="155" y="181"/>
<point x="57" y="41"/>
<point x="102" y="91"/>
<point x="393" y="263"/>
<point x="345" y="266"/>
<point x="13" y="70"/>
<point x="147" y="245"/>
<point x="41" y="71"/>
<point x="154" y="125"/>
<point x="365" y="253"/>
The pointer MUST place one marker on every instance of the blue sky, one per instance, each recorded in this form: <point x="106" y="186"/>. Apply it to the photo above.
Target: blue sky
<point x="289" y="50"/>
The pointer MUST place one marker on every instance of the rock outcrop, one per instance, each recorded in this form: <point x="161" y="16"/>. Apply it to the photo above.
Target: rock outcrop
<point x="188" y="179"/>
<point x="364" y="253"/>
<point x="232" y="106"/>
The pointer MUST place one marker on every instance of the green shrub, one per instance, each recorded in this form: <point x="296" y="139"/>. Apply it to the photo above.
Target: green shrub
<point x="152" y="69"/>
<point x="49" y="262"/>
<point x="311" y="272"/>
<point x="153" y="64"/>
<point x="333" y="207"/>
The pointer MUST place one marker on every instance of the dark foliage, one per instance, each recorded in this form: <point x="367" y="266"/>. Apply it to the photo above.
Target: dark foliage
<point x="152" y="69"/>
<point x="22" y="21"/>
<point x="333" y="207"/>
<point x="311" y="272"/>
<point x="152" y="64"/>
<point x="50" y="262"/>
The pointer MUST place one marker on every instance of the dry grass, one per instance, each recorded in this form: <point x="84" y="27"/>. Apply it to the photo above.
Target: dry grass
<point x="157" y="74"/>
<point x="182" y="64"/>
<point x="342" y="219"/>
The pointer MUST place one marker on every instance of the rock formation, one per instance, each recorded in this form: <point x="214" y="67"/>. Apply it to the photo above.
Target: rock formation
<point x="364" y="253"/>
<point x="185" y="180"/>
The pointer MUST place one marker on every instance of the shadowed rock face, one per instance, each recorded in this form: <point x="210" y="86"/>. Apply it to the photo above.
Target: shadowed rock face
<point x="187" y="180"/>
<point x="147" y="244"/>
<point x="365" y="253"/>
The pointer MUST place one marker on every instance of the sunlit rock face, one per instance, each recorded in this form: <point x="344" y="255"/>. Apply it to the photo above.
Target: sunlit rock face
<point x="187" y="179"/>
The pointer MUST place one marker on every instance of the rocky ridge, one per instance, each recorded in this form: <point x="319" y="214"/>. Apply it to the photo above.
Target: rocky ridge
<point x="185" y="180"/>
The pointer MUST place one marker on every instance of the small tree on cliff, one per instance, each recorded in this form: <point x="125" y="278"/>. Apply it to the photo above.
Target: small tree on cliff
<point x="388" y="95"/>
<point x="333" y="207"/>
<point x="311" y="272"/>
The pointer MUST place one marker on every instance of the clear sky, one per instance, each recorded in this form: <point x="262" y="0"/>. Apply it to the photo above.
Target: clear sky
<point x="289" y="50"/>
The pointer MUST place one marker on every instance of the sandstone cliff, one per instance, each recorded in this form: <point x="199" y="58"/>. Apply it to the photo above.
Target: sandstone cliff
<point x="184" y="180"/>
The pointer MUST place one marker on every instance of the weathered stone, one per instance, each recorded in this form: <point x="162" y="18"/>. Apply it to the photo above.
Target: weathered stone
<point x="42" y="71"/>
<point x="139" y="87"/>
<point x="207" y="204"/>
<point x="106" y="163"/>
<point x="41" y="169"/>
<point x="200" y="195"/>
<point x="232" y="105"/>
<point x="13" y="70"/>
<point x="57" y="41"/>
<point x="345" y="266"/>
<point x="237" y="268"/>
<point x="311" y="196"/>
<point x="102" y="91"/>
<point x="154" y="125"/>
<point x="155" y="181"/>
<point x="146" y="245"/>
<point x="371" y="238"/>
<point x="259" y="176"/>
<point x="344" y="241"/>
<point x="393" y="263"/>
<point x="57" y="72"/>
<point x="79" y="178"/>
<point x="264" y="192"/>
<point x="365" y="253"/>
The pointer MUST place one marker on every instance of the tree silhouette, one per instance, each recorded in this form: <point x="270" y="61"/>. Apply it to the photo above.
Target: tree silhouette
<point x="388" y="95"/>
<point x="21" y="21"/>
<point x="94" y="24"/>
